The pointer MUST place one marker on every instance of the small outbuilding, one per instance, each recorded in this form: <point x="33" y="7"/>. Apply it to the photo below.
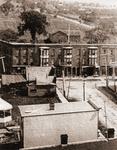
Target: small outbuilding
<point x="60" y="123"/>
<point x="5" y="112"/>
<point x="41" y="82"/>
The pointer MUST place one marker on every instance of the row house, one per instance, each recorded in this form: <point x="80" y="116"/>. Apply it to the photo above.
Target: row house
<point x="74" y="59"/>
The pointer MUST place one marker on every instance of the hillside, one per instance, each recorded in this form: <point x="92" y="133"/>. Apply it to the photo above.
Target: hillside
<point x="56" y="22"/>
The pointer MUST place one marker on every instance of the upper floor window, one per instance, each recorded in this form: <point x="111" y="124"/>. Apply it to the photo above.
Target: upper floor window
<point x="104" y="51"/>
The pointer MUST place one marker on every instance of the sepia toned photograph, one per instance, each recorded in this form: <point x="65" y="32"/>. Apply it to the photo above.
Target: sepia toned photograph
<point x="58" y="75"/>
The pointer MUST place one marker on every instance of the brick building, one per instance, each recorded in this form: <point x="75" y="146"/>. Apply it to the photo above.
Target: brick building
<point x="76" y="59"/>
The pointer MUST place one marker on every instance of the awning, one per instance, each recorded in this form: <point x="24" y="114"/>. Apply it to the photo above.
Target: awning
<point x="12" y="79"/>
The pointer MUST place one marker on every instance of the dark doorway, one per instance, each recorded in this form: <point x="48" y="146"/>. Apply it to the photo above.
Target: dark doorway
<point x="64" y="139"/>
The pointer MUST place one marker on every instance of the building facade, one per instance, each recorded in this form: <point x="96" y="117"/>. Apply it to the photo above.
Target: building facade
<point x="43" y="125"/>
<point x="75" y="59"/>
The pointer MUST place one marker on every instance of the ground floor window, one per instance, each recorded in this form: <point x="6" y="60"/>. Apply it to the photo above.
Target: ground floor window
<point x="5" y="113"/>
<point x="1" y="114"/>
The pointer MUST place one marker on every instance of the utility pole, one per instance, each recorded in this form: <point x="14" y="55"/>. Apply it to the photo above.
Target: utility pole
<point x="106" y="67"/>
<point x="68" y="87"/>
<point x="106" y="124"/>
<point x="63" y="75"/>
<point x="69" y="34"/>
<point x="114" y="65"/>
<point x="84" y="90"/>
<point x="114" y="79"/>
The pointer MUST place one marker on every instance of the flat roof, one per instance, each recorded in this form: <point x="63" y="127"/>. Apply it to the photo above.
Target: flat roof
<point x="60" y="108"/>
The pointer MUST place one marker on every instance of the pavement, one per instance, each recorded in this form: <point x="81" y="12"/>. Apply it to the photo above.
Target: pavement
<point x="74" y="91"/>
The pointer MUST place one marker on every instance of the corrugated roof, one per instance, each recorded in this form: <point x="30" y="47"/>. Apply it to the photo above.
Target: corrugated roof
<point x="10" y="79"/>
<point x="5" y="105"/>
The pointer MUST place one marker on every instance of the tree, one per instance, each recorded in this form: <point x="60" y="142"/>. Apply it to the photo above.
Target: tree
<point x="107" y="25"/>
<point x="8" y="35"/>
<point x="34" y="22"/>
<point x="88" y="16"/>
<point x="101" y="33"/>
<point x="96" y="36"/>
<point x="6" y="7"/>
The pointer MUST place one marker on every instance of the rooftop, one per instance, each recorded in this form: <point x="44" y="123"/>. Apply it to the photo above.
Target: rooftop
<point x="60" y="108"/>
<point x="5" y="105"/>
<point x="72" y="32"/>
<point x="12" y="79"/>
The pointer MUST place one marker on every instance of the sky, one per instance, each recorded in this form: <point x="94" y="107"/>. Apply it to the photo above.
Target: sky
<point x="103" y="2"/>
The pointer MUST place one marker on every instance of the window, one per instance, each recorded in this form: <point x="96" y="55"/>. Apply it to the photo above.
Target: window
<point x="7" y="113"/>
<point x="68" y="61"/>
<point x="1" y="114"/>
<point x="33" y="90"/>
<point x="92" y="61"/>
<point x="15" y="60"/>
<point x="53" y="53"/>
<point x="93" y="52"/>
<point x="24" y="52"/>
<point x="42" y="53"/>
<point x="111" y="52"/>
<point x="16" y="53"/>
<point x="45" y="62"/>
<point x="24" y="61"/>
<point x="69" y="52"/>
<point x="104" y="51"/>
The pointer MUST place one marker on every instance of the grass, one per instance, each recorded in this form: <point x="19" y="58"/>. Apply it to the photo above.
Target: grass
<point x="60" y="24"/>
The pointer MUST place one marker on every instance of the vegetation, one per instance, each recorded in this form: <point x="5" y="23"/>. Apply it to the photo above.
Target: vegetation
<point x="95" y="36"/>
<point x="8" y="35"/>
<point x="88" y="16"/>
<point x="101" y="33"/>
<point x="34" y="22"/>
<point x="6" y="7"/>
